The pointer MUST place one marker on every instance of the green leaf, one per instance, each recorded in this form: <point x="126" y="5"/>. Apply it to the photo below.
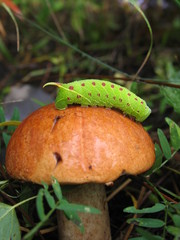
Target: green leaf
<point x="164" y="144"/>
<point x="5" y="52"/>
<point x="158" y="160"/>
<point x="172" y="95"/>
<point x="175" y="231"/>
<point x="150" y="237"/>
<point x="45" y="185"/>
<point x="178" y="2"/>
<point x="134" y="87"/>
<point x="146" y="222"/>
<point x="177" y="206"/>
<point x="6" y="138"/>
<point x="138" y="238"/>
<point x="174" y="133"/>
<point x="146" y="235"/>
<point x="9" y="225"/>
<point x="176" y="220"/>
<point x="39" y="204"/>
<point x="26" y="192"/>
<point x="15" y="117"/>
<point x="72" y="215"/>
<point x="49" y="198"/>
<point x="57" y="189"/>
<point x="2" y="115"/>
<point x="3" y="182"/>
<point x="156" y="208"/>
<point x="66" y="206"/>
<point x="159" y="156"/>
<point x="16" y="114"/>
<point x="153" y="198"/>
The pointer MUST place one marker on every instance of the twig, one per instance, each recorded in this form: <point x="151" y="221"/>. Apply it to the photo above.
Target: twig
<point x="139" y="202"/>
<point x="117" y="190"/>
<point x="130" y="78"/>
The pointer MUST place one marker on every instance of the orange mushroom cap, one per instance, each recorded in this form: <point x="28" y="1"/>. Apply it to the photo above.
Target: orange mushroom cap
<point x="78" y="145"/>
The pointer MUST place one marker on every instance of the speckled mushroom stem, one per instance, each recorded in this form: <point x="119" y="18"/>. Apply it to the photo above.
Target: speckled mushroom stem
<point x="97" y="226"/>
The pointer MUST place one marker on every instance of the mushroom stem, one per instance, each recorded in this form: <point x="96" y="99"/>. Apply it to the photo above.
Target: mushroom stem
<point x="97" y="226"/>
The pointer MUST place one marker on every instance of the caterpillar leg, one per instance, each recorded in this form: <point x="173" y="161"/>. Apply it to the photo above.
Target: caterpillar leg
<point x="61" y="105"/>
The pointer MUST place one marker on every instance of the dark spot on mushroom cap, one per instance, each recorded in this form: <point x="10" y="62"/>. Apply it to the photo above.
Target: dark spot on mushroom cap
<point x="90" y="167"/>
<point x="58" y="118"/>
<point x="57" y="157"/>
<point x="55" y="120"/>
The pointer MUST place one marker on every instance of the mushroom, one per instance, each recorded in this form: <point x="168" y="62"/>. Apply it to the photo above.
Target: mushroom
<point x="88" y="146"/>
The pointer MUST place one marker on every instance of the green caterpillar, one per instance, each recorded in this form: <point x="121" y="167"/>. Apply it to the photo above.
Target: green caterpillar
<point x="101" y="93"/>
